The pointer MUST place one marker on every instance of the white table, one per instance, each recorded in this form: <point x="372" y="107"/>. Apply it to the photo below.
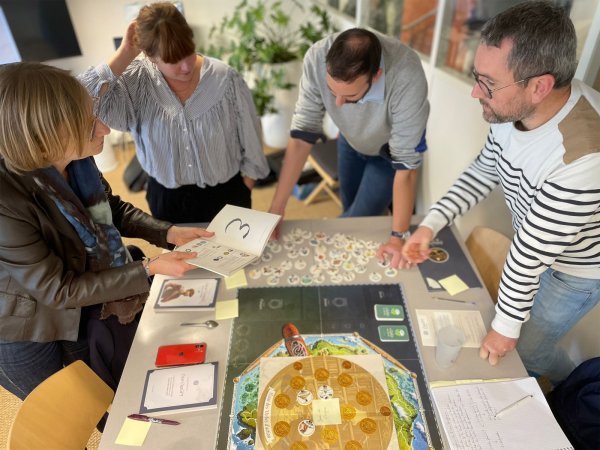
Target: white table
<point x="198" y="430"/>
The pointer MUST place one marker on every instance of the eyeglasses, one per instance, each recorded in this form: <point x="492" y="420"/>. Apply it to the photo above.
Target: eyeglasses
<point x="488" y="91"/>
<point x="95" y="111"/>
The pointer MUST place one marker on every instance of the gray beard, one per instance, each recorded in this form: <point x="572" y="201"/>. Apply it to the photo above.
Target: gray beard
<point x="521" y="114"/>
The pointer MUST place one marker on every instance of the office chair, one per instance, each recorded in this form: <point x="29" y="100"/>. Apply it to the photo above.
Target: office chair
<point x="489" y="248"/>
<point x="62" y="412"/>
<point x="323" y="158"/>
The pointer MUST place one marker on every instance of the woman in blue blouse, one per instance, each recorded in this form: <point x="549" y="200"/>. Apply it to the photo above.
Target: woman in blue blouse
<point x="192" y="118"/>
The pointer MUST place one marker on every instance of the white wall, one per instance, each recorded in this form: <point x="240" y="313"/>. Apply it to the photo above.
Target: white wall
<point x="455" y="131"/>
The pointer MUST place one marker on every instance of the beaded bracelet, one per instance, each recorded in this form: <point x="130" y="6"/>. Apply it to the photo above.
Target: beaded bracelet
<point x="146" y="264"/>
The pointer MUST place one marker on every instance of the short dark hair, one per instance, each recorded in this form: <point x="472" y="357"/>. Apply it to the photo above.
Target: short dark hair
<point x="163" y="31"/>
<point x="543" y="38"/>
<point x="354" y="52"/>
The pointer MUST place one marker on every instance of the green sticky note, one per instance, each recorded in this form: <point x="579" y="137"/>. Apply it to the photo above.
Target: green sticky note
<point x="389" y="312"/>
<point x="393" y="333"/>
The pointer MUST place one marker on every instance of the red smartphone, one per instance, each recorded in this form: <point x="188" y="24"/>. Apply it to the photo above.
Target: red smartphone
<point x="180" y="354"/>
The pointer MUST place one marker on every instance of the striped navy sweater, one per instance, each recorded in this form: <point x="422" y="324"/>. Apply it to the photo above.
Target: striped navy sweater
<point x="550" y="177"/>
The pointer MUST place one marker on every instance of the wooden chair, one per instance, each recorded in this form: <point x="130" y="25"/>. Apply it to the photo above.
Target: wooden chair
<point x="489" y="249"/>
<point x="62" y="412"/>
<point x="323" y="158"/>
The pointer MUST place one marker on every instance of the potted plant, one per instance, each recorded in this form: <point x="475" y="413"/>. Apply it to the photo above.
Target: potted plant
<point x="260" y="40"/>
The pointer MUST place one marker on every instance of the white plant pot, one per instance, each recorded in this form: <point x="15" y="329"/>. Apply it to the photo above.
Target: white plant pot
<point x="276" y="129"/>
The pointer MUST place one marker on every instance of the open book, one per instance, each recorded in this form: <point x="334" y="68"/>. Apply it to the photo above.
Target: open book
<point x="241" y="235"/>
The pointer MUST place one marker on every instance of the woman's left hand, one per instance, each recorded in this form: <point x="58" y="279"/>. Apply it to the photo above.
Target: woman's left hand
<point x="181" y="235"/>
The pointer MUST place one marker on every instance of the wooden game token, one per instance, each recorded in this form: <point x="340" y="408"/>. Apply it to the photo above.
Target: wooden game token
<point x="363" y="398"/>
<point x="438" y="255"/>
<point x="336" y="278"/>
<point x="385" y="263"/>
<point x="298" y="445"/>
<point x="325" y="392"/>
<point x="347" y="411"/>
<point x="391" y="272"/>
<point x="348" y="276"/>
<point x="306" y="280"/>
<point x="254" y="274"/>
<point x="352" y="445"/>
<point x="285" y="264"/>
<point x="297" y="382"/>
<point x="293" y="279"/>
<point x="321" y="374"/>
<point x="266" y="257"/>
<point x="360" y="268"/>
<point x="385" y="411"/>
<point x="304" y="251"/>
<point x="298" y="365"/>
<point x="273" y="280"/>
<point x="346" y="365"/>
<point x="306" y="428"/>
<point x="345" y="380"/>
<point x="304" y="397"/>
<point x="281" y="429"/>
<point x="289" y="245"/>
<point x="375" y="277"/>
<point x="300" y="264"/>
<point x="282" y="401"/>
<point x="293" y="253"/>
<point x="368" y="426"/>
<point x="329" y="435"/>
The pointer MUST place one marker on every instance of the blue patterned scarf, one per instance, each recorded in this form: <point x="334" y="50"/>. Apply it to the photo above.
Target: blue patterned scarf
<point x="82" y="200"/>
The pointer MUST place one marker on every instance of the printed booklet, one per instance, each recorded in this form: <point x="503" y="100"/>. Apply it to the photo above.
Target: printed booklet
<point x="241" y="235"/>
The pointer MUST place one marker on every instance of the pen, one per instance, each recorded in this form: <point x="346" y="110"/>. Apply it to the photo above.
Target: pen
<point x="512" y="406"/>
<point x="152" y="419"/>
<point x="455" y="300"/>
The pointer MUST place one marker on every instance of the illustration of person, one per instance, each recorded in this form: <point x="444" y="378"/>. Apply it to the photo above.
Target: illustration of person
<point x="171" y="291"/>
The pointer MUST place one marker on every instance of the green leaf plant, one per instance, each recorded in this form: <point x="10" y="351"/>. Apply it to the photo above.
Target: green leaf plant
<point x="262" y="33"/>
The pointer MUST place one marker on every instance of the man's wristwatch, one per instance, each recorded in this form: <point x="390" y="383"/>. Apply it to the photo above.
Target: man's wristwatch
<point x="401" y="234"/>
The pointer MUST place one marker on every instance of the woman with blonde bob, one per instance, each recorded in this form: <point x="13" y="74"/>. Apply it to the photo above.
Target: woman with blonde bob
<point x="68" y="286"/>
<point x="192" y="118"/>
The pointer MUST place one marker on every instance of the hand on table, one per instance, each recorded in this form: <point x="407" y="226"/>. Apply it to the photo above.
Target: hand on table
<point x="416" y="248"/>
<point x="495" y="346"/>
<point x="393" y="249"/>
<point x="182" y="235"/>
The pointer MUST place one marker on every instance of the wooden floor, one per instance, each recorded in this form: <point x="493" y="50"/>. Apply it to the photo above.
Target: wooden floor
<point x="324" y="207"/>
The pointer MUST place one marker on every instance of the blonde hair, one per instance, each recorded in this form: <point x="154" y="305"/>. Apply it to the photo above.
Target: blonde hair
<point x="43" y="111"/>
<point x="162" y="31"/>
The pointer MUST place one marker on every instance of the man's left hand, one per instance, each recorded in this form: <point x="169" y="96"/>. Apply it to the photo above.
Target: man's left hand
<point x="393" y="249"/>
<point x="181" y="235"/>
<point x="495" y="346"/>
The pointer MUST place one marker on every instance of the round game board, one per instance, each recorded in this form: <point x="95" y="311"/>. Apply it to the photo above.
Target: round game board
<point x="289" y="407"/>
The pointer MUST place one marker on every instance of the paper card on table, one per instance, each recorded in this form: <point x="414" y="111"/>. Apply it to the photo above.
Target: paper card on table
<point x="133" y="432"/>
<point x="237" y="280"/>
<point x="326" y="411"/>
<point x="389" y="312"/>
<point x="453" y="284"/>
<point x="470" y="322"/>
<point x="227" y="309"/>
<point x="187" y="294"/>
<point x="433" y="284"/>
<point x="393" y="333"/>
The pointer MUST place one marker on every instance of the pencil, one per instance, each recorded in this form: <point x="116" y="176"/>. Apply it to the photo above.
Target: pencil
<point x="455" y="300"/>
<point x="512" y="406"/>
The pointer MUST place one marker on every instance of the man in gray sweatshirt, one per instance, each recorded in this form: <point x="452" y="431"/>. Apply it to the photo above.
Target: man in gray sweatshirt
<point x="375" y="90"/>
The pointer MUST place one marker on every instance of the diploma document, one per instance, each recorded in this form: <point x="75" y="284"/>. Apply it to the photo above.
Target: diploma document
<point x="180" y="389"/>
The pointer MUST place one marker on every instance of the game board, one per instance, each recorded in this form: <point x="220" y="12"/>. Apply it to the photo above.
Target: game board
<point x="334" y="320"/>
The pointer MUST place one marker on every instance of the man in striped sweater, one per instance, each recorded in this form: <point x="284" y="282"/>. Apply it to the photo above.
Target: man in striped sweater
<point x="543" y="148"/>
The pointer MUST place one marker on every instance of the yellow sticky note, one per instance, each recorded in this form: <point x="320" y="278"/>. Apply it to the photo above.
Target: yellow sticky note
<point x="326" y="412"/>
<point x="236" y="280"/>
<point x="453" y="284"/>
<point x="133" y="432"/>
<point x="226" y="309"/>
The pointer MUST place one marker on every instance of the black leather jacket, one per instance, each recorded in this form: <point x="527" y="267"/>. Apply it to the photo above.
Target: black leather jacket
<point x="43" y="278"/>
